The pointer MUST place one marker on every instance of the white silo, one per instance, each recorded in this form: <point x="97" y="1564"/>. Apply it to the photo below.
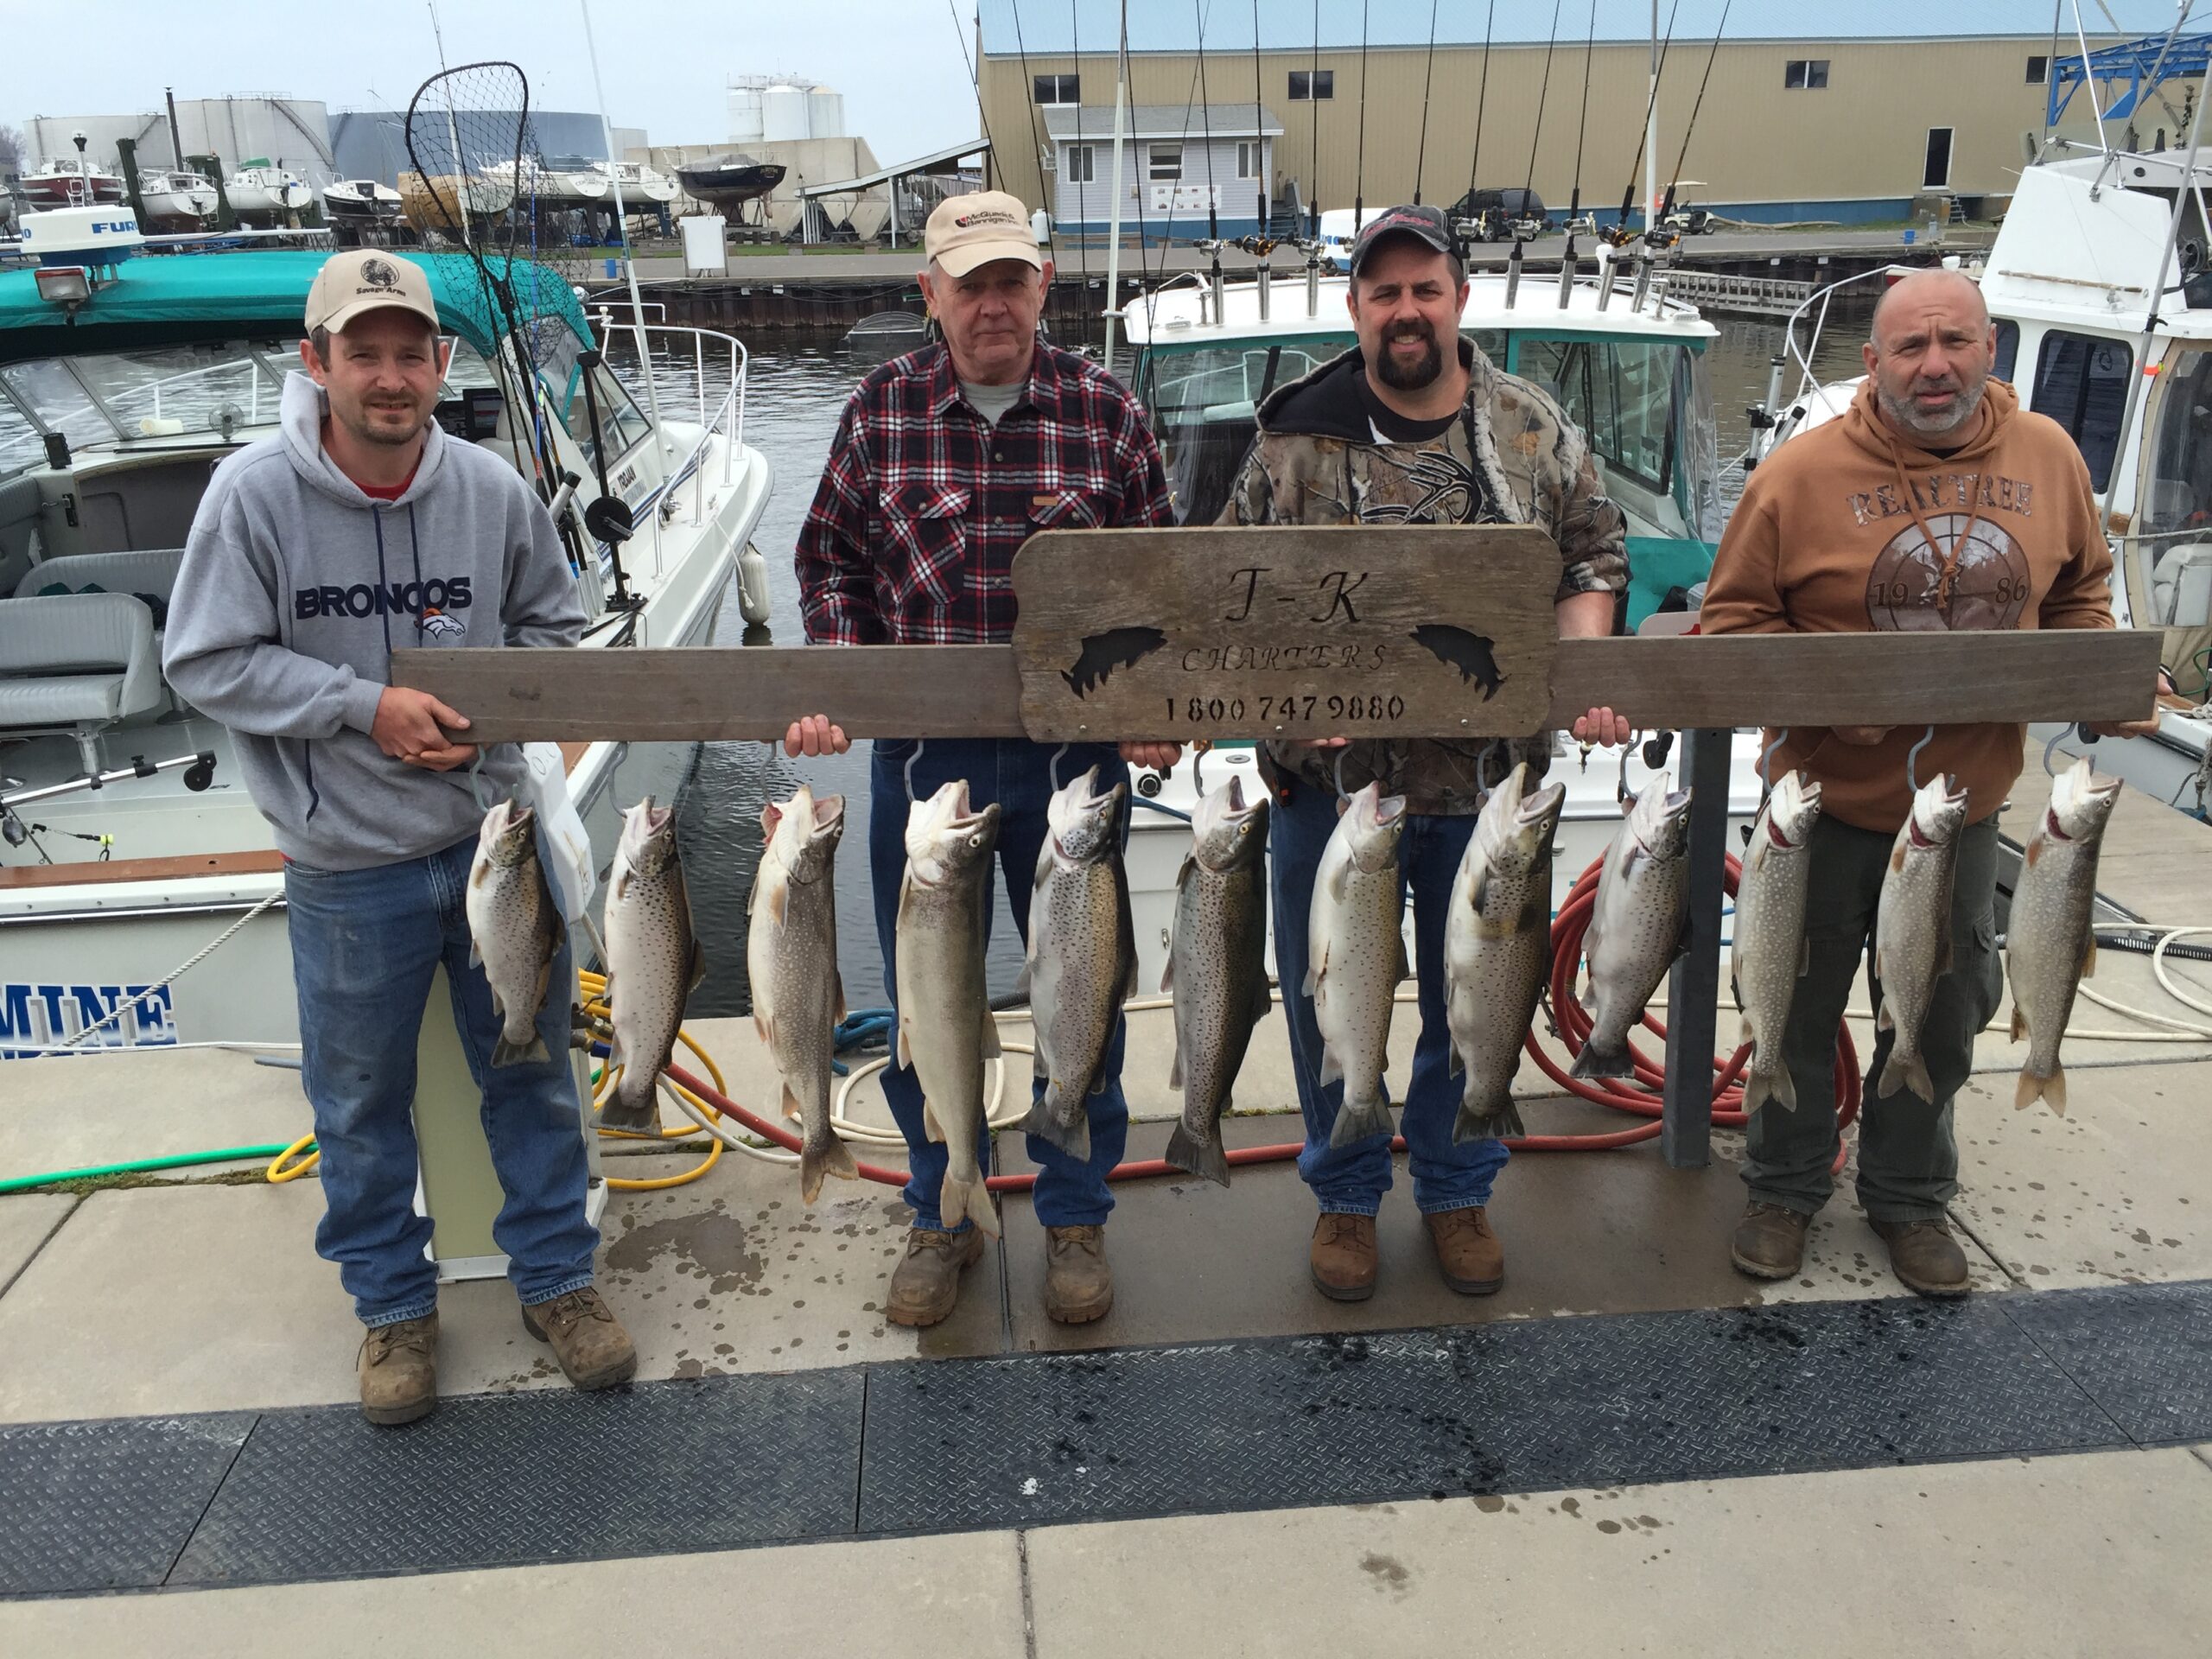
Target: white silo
<point x="825" y="113"/>
<point x="784" y="114"/>
<point x="745" y="123"/>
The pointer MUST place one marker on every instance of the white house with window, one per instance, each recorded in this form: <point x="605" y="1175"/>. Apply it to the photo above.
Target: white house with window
<point x="1175" y="160"/>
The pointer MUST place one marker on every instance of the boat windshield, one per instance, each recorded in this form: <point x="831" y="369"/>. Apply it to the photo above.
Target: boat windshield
<point x="107" y="399"/>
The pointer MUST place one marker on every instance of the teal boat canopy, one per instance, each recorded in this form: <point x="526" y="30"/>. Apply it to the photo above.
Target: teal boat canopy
<point x="172" y="299"/>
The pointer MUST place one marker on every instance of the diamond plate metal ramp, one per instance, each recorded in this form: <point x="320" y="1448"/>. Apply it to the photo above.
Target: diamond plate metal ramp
<point x="1519" y="1406"/>
<point x="2145" y="1351"/>
<point x="106" y="1506"/>
<point x="493" y="1480"/>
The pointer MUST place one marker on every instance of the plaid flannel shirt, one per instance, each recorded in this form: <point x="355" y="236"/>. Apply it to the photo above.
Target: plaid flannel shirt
<point x="911" y="536"/>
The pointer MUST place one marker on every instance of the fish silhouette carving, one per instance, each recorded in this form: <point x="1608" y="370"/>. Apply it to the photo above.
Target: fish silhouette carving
<point x="1102" y="653"/>
<point x="1470" y="653"/>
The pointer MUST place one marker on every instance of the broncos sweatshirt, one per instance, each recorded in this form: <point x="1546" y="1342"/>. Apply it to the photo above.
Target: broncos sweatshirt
<point x="1850" y="527"/>
<point x="296" y="587"/>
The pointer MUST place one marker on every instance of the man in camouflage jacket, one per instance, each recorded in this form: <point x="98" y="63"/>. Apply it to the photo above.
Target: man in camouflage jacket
<point x="1396" y="433"/>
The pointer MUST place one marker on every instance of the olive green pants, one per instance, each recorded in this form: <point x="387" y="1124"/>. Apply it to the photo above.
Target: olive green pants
<point x="1908" y="1155"/>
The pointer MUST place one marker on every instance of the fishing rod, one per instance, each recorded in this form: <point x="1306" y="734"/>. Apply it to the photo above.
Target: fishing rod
<point x="1259" y="103"/>
<point x="1566" y="264"/>
<point x="1535" y="136"/>
<point x="1036" y="137"/>
<point x="1621" y="235"/>
<point x="1313" y="107"/>
<point x="1482" y="98"/>
<point x="1359" y="164"/>
<point x="1673" y="179"/>
<point x="1427" y="81"/>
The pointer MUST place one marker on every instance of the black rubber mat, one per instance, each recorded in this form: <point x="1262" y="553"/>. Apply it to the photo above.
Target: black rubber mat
<point x="499" y="1480"/>
<point x="1519" y="1406"/>
<point x="107" y="1505"/>
<point x="2144" y="1351"/>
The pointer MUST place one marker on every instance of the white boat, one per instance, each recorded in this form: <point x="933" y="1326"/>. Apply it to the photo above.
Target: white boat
<point x="175" y="197"/>
<point x="1634" y="379"/>
<point x="360" y="203"/>
<point x="261" y="191"/>
<point x="2073" y="282"/>
<point x="104" y="891"/>
<point x="549" y="186"/>
<point x="643" y="188"/>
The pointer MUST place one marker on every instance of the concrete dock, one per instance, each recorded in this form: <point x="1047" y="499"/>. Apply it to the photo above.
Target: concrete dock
<point x="2074" y="1522"/>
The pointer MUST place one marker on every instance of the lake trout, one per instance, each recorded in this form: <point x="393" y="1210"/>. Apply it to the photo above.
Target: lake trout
<point x="653" y="962"/>
<point x="2049" y="945"/>
<point x="1356" y="956"/>
<point x="1635" y="925"/>
<point x="1768" y="956"/>
<point x="1913" y="929"/>
<point x="514" y="927"/>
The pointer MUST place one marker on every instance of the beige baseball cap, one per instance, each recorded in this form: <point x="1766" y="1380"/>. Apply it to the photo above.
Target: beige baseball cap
<point x="966" y="231"/>
<point x="366" y="279"/>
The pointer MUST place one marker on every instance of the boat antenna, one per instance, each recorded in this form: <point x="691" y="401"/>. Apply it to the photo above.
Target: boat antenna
<point x="1543" y="91"/>
<point x="1082" y="194"/>
<point x="1482" y="98"/>
<point x="982" y="119"/>
<point x="1359" y="163"/>
<point x="1690" y="126"/>
<point x="1213" y="204"/>
<point x="1259" y="103"/>
<point x="1122" y="63"/>
<point x="1036" y="137"/>
<point x="622" y="231"/>
<point x="1582" y="126"/>
<point x="1427" y="81"/>
<point x="1658" y="70"/>
<point x="1313" y="107"/>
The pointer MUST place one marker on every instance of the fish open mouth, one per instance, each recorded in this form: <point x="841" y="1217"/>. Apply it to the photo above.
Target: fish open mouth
<point x="1388" y="810"/>
<point x="829" y="809"/>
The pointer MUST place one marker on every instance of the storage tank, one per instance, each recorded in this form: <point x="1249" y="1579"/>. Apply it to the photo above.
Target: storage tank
<point x="825" y="113"/>
<point x="745" y="109"/>
<point x="293" y="132"/>
<point x="784" y="114"/>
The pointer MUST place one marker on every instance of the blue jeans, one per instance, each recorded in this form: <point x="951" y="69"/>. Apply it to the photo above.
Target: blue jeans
<point x="1351" y="1181"/>
<point x="364" y="946"/>
<point x="1017" y="775"/>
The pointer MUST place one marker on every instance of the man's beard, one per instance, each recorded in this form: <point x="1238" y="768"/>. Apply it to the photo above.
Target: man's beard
<point x="1416" y="377"/>
<point x="1906" y="417"/>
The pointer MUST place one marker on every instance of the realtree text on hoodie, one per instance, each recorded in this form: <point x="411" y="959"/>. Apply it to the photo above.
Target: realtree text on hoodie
<point x="296" y="589"/>
<point x="1851" y="529"/>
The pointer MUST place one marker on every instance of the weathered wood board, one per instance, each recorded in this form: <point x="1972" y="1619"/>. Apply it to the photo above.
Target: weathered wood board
<point x="1408" y="631"/>
<point x="1769" y="679"/>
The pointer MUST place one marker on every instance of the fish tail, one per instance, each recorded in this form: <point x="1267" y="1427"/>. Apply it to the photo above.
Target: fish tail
<point x="2051" y="1090"/>
<point x="1357" y="1121"/>
<point x="1599" y="1061"/>
<point x="1070" y="1135"/>
<point x="508" y="1052"/>
<point x="830" y="1156"/>
<point x="1473" y="1125"/>
<point x="967" y="1200"/>
<point x="638" y="1112"/>
<point x="1760" y="1087"/>
<point x="1208" y="1157"/>
<point x="1909" y="1071"/>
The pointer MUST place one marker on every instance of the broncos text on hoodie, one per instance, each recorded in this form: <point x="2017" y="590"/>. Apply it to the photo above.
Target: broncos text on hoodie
<point x="1851" y="529"/>
<point x="296" y="589"/>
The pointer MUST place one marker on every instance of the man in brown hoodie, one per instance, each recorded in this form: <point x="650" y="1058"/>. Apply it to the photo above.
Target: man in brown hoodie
<point x="1936" y="502"/>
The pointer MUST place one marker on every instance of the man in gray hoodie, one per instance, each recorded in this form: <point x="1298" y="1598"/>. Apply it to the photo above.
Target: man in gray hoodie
<point x="362" y="529"/>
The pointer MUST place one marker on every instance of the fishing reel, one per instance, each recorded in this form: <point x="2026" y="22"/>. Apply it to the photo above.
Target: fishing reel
<point x="1258" y="246"/>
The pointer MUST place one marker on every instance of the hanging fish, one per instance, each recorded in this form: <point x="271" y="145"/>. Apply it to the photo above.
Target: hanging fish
<point x="1913" y="929"/>
<point x="653" y="962"/>
<point x="2049" y="945"/>
<point x="1770" y="953"/>
<point x="1635" y="923"/>
<point x="1356" y="956"/>
<point x="514" y="928"/>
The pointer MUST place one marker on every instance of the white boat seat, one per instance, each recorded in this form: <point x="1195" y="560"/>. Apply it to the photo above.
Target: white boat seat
<point x="77" y="663"/>
<point x="148" y="574"/>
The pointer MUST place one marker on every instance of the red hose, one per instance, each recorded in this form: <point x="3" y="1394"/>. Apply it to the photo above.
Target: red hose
<point x="1642" y="1096"/>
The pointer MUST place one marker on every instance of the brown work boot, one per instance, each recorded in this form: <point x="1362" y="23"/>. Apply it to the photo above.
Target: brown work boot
<point x="1467" y="1252"/>
<point x="1769" y="1241"/>
<point x="1342" y="1260"/>
<point x="594" y="1351"/>
<point x="926" y="1282"/>
<point x="398" y="1365"/>
<point x="1924" y="1256"/>
<point x="1078" y="1285"/>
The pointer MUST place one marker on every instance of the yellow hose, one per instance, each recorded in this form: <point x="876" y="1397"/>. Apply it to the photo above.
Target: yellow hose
<point x="596" y="1005"/>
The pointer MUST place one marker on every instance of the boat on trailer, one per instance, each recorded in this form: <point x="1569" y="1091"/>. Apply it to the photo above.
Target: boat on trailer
<point x="130" y="842"/>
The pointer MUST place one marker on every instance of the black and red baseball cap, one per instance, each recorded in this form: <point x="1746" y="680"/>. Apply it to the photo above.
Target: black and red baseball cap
<point x="1427" y="223"/>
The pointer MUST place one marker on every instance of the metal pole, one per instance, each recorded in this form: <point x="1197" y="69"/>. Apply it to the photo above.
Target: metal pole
<point x="1114" y="222"/>
<point x="1694" y="987"/>
<point x="1651" y="127"/>
<point x="622" y="230"/>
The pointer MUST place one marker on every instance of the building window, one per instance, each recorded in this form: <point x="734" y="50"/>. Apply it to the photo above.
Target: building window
<point x="1805" y="74"/>
<point x="1166" y="164"/>
<point x="2008" y="348"/>
<point x="1083" y="163"/>
<point x="2081" y="382"/>
<point x="1305" y="84"/>
<point x="1937" y="174"/>
<point x="1248" y="158"/>
<point x="1059" y="89"/>
<point x="2038" y="71"/>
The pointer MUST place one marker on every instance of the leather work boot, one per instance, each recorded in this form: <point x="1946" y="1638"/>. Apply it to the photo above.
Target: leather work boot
<point x="398" y="1366"/>
<point x="594" y="1351"/>
<point x="1769" y="1241"/>
<point x="1924" y="1256"/>
<point x="926" y="1282"/>
<point x="1342" y="1260"/>
<point x="1468" y="1254"/>
<point x="1078" y="1285"/>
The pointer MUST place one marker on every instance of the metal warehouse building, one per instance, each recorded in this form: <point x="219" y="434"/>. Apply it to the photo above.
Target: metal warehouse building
<point x="1810" y="111"/>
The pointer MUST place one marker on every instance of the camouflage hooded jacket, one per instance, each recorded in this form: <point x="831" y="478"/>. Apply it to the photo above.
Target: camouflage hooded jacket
<point x="1510" y="457"/>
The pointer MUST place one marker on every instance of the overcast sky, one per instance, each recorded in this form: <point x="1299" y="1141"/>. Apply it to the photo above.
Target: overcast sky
<point x="897" y="62"/>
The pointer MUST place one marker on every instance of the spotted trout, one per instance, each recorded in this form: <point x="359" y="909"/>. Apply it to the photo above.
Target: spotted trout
<point x="1356" y="956"/>
<point x="2050" y="946"/>
<point x="1217" y="968"/>
<point x="945" y="1029"/>
<point x="514" y="928"/>
<point x="1635" y="923"/>
<point x="1913" y="929"/>
<point x="792" y="960"/>
<point x="653" y="961"/>
<point x="1768" y="956"/>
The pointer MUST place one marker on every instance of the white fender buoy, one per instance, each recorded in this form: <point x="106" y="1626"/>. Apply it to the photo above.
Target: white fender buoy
<point x="752" y="586"/>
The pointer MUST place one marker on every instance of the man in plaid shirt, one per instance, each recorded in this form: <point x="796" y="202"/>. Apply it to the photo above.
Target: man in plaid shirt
<point x="946" y="460"/>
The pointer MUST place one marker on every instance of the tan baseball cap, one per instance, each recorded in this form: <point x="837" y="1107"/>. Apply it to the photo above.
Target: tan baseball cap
<point x="366" y="279"/>
<point x="966" y="231"/>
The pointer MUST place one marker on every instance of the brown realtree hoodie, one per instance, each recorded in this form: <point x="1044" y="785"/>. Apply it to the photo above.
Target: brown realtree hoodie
<point x="1849" y="529"/>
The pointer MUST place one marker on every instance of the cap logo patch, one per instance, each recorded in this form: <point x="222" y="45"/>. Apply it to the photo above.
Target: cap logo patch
<point x="985" y="216"/>
<point x="378" y="273"/>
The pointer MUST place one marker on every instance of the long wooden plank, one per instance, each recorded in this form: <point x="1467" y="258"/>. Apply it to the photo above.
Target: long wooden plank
<point x="93" y="873"/>
<point x="1834" y="679"/>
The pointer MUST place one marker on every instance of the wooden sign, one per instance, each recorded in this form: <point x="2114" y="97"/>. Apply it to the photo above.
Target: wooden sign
<point x="1374" y="631"/>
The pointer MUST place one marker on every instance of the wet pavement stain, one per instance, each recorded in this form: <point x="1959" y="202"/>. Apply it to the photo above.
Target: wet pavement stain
<point x="711" y="1244"/>
<point x="1388" y="1574"/>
